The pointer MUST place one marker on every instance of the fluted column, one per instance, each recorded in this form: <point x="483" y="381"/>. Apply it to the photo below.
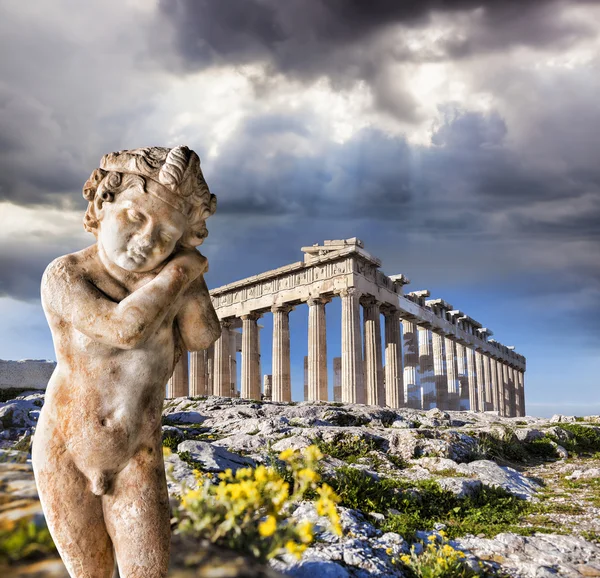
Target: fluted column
<point x="337" y="379"/>
<point x="394" y="382"/>
<point x="427" y="377"/>
<point x="210" y="370"/>
<point x="353" y="385"/>
<point x="489" y="398"/>
<point x="281" y="381"/>
<point x="412" y="386"/>
<point x="233" y="361"/>
<point x="501" y="387"/>
<point x="177" y="386"/>
<point x="494" y="381"/>
<point x="515" y="391"/>
<point x="463" y="376"/>
<point x="221" y="365"/>
<point x="452" y="374"/>
<point x="521" y="380"/>
<point x="507" y="392"/>
<point x="250" y="387"/>
<point x="373" y="361"/>
<point x="439" y="371"/>
<point x="472" y="379"/>
<point x="197" y="373"/>
<point x="306" y="378"/>
<point x="480" y="380"/>
<point x="317" y="349"/>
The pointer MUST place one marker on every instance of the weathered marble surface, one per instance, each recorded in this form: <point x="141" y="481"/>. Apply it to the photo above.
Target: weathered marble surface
<point x="121" y="312"/>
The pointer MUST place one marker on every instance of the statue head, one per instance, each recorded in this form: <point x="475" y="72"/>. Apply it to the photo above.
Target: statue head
<point x="142" y="203"/>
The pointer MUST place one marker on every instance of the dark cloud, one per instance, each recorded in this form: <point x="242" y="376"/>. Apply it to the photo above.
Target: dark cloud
<point x="336" y="37"/>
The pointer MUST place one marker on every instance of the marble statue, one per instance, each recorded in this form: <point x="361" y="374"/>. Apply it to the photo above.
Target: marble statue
<point x="121" y="312"/>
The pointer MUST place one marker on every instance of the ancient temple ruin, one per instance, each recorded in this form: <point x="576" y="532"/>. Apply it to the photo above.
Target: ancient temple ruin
<point x="432" y="356"/>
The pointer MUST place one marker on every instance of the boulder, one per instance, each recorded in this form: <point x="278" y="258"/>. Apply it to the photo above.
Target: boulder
<point x="214" y="458"/>
<point x="491" y="474"/>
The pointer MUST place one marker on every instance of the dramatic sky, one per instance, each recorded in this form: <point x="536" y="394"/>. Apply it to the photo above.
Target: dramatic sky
<point x="460" y="139"/>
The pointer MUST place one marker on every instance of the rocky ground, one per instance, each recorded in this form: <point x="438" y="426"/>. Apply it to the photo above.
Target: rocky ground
<point x="519" y="496"/>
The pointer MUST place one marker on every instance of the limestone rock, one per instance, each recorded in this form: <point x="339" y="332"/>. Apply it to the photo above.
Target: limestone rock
<point x="214" y="458"/>
<point x="460" y="487"/>
<point x="491" y="474"/>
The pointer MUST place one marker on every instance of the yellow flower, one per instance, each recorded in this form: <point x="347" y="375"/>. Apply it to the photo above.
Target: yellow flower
<point x="243" y="473"/>
<point x="305" y="532"/>
<point x="226" y="475"/>
<point x="260" y="474"/>
<point x="405" y="559"/>
<point x="285" y="455"/>
<point x="313" y="453"/>
<point x="388" y="551"/>
<point x="431" y="538"/>
<point x="295" y="548"/>
<point x="166" y="451"/>
<point x="307" y="475"/>
<point x="267" y="527"/>
<point x="448" y="550"/>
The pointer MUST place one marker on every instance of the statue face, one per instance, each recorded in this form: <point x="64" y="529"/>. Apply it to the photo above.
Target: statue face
<point x="138" y="231"/>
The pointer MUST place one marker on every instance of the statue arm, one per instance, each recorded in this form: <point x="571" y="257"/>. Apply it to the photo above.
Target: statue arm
<point x="124" y="325"/>
<point x="197" y="319"/>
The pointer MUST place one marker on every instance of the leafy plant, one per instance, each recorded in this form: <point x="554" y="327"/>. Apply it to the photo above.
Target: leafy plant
<point x="23" y="539"/>
<point x="243" y="509"/>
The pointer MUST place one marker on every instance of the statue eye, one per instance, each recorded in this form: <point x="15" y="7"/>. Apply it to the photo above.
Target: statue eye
<point x="134" y="215"/>
<point x="166" y="238"/>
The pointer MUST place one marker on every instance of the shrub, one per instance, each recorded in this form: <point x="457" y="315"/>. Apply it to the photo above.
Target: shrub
<point x="23" y="539"/>
<point x="437" y="559"/>
<point x="423" y="504"/>
<point x="243" y="509"/>
<point x="586" y="440"/>
<point x="348" y="449"/>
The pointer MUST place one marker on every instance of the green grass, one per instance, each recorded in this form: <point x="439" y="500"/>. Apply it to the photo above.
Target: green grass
<point x="423" y="504"/>
<point x="348" y="449"/>
<point x="586" y="439"/>
<point x="24" y="541"/>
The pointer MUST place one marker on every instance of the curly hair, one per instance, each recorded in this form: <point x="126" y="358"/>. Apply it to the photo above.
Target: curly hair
<point x="178" y="170"/>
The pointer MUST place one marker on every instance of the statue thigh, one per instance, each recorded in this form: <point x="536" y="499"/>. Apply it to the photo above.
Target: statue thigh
<point x="73" y="513"/>
<point x="137" y="514"/>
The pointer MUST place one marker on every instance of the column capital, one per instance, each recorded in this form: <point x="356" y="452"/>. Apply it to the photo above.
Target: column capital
<point x="389" y="310"/>
<point x="369" y="301"/>
<point x="282" y="308"/>
<point x="319" y="300"/>
<point x="226" y="323"/>
<point x="349" y="292"/>
<point x="251" y="316"/>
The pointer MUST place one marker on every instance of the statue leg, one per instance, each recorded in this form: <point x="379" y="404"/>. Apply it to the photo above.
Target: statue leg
<point x="73" y="513"/>
<point x="137" y="514"/>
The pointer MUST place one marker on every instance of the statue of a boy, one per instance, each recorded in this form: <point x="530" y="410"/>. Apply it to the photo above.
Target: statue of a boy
<point x="121" y="313"/>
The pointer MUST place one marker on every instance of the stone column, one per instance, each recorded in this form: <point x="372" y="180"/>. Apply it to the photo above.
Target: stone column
<point x="221" y="366"/>
<point x="337" y="379"/>
<point x="374" y="390"/>
<point x="507" y="392"/>
<point x="463" y="376"/>
<point x="516" y="410"/>
<point x="394" y="382"/>
<point x="489" y="398"/>
<point x="427" y="377"/>
<point x="452" y="374"/>
<point x="472" y="378"/>
<point x="317" y="349"/>
<point x="197" y="373"/>
<point x="282" y="380"/>
<point x="177" y="386"/>
<point x="210" y="370"/>
<point x="412" y="384"/>
<point x="267" y="387"/>
<point x="353" y="385"/>
<point x="480" y="380"/>
<point x="306" y="378"/>
<point x="439" y="371"/>
<point x="494" y="382"/>
<point x="501" y="388"/>
<point x="250" y="387"/>
<point x="233" y="361"/>
<point x="521" y="380"/>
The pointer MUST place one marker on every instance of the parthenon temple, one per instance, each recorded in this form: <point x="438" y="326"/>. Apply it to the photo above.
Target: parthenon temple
<point x="431" y="354"/>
